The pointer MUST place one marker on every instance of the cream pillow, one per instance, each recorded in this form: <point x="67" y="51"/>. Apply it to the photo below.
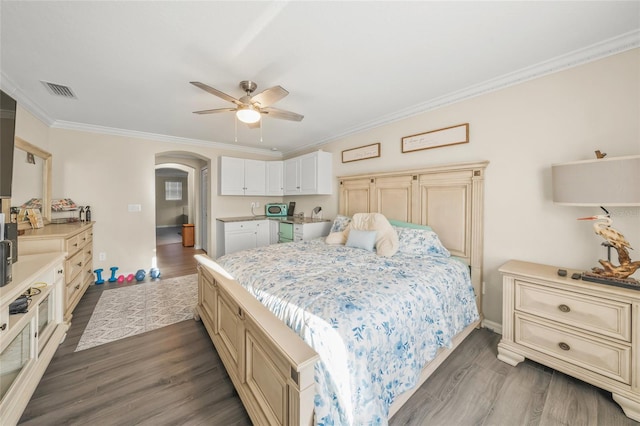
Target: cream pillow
<point x="386" y="237"/>
<point x="336" y="238"/>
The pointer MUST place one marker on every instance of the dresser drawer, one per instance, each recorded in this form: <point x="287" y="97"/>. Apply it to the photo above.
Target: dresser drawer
<point x="73" y="266"/>
<point x="85" y="237"/>
<point x="597" y="315"/>
<point x="74" y="291"/>
<point x="592" y="354"/>
<point x="72" y="245"/>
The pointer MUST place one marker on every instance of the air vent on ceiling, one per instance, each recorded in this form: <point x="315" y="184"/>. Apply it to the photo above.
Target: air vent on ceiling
<point x="59" y="90"/>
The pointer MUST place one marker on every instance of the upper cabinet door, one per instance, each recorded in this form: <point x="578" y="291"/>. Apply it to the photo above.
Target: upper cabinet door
<point x="309" y="174"/>
<point x="231" y="176"/>
<point x="254" y="177"/>
<point x="242" y="177"/>
<point x="275" y="178"/>
<point x="292" y="176"/>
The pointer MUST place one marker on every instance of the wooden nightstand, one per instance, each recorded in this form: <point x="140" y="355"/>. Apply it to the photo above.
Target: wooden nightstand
<point x="587" y="330"/>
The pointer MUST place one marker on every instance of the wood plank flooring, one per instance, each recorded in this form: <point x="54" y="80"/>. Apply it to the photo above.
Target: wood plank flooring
<point x="173" y="376"/>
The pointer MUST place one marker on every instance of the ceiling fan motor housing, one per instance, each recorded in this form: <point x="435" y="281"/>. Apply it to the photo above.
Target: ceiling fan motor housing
<point x="248" y="86"/>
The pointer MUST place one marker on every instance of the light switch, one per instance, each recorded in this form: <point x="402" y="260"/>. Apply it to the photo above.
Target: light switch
<point x="135" y="207"/>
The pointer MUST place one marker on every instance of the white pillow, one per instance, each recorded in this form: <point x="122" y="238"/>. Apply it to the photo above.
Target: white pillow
<point x="362" y="239"/>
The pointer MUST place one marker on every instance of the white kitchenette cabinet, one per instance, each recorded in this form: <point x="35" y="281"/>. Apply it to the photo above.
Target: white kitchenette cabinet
<point x="239" y="176"/>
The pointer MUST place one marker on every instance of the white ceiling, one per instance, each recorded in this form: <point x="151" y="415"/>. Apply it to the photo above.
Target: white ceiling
<point x="348" y="66"/>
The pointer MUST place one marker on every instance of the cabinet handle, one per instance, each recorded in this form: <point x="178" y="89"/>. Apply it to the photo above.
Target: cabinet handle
<point x="75" y="245"/>
<point x="564" y="308"/>
<point x="60" y="271"/>
<point x="3" y="327"/>
<point x="80" y="264"/>
<point x="78" y="287"/>
<point x="564" y="346"/>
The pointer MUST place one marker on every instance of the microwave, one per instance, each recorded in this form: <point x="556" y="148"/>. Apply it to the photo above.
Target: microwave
<point x="275" y="209"/>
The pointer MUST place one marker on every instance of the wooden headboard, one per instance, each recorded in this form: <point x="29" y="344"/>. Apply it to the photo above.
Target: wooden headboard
<point x="449" y="198"/>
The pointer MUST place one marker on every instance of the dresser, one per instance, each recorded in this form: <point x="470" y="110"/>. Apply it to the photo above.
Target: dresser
<point x="587" y="330"/>
<point x="29" y="340"/>
<point x="76" y="240"/>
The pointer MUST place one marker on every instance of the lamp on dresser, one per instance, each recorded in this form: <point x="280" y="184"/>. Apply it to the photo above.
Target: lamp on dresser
<point x="610" y="182"/>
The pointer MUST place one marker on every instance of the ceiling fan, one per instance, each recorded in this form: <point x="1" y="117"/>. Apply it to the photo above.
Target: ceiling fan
<point x="249" y="109"/>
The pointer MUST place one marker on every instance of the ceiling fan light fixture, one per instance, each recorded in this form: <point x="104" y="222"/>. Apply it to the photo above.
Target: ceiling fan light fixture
<point x="248" y="114"/>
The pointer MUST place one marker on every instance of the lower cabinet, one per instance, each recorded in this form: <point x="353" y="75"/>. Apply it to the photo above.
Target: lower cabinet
<point x="29" y="340"/>
<point x="586" y="330"/>
<point x="241" y="235"/>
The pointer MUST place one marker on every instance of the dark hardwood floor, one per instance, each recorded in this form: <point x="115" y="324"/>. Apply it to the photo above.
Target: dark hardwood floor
<point x="173" y="376"/>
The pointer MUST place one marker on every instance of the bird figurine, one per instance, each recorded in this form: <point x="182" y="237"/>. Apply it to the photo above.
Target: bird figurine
<point x="616" y="240"/>
<point x="604" y="229"/>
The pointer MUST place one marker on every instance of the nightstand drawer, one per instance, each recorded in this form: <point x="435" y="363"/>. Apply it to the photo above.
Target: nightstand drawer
<point x="597" y="315"/>
<point x="600" y="356"/>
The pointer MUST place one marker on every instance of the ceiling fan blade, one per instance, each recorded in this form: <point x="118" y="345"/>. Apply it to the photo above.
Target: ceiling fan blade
<point x="213" y="111"/>
<point x="280" y="113"/>
<point x="269" y="96"/>
<point x="216" y="92"/>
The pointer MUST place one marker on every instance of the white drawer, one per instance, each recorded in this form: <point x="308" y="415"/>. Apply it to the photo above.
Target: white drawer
<point x="241" y="226"/>
<point x="597" y="355"/>
<point x="597" y="315"/>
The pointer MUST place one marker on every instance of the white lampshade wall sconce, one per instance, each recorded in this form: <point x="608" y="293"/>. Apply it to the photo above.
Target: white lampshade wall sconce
<point x="603" y="182"/>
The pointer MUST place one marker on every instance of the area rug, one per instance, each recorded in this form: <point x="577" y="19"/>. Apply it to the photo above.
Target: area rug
<point x="135" y="309"/>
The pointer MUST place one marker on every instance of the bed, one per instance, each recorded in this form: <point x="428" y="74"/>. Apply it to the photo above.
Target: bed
<point x="366" y="360"/>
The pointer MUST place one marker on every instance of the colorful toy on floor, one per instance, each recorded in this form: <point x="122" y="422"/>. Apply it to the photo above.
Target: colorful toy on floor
<point x="140" y="275"/>
<point x="120" y="279"/>
<point x="154" y="273"/>
<point x="113" y="274"/>
<point x="130" y="278"/>
<point x="99" y="279"/>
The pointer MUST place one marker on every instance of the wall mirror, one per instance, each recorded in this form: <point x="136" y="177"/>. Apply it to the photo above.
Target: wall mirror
<point x="31" y="179"/>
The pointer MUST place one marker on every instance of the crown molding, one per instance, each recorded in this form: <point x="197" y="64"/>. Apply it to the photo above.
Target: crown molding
<point x="10" y="88"/>
<point x="612" y="46"/>
<point x="69" y="125"/>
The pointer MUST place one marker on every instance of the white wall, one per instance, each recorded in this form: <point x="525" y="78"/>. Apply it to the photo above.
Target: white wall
<point x="521" y="130"/>
<point x="110" y="172"/>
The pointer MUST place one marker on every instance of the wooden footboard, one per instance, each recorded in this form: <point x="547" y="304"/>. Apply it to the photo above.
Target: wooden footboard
<point x="270" y="366"/>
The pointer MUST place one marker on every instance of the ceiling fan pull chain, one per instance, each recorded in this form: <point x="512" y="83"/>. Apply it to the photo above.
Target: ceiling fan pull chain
<point x="261" y="130"/>
<point x="236" y="128"/>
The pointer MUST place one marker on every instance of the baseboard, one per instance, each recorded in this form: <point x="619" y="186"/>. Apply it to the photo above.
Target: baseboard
<point x="493" y="326"/>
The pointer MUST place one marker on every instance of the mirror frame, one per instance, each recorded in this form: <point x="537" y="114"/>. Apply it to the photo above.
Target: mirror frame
<point x="46" y="179"/>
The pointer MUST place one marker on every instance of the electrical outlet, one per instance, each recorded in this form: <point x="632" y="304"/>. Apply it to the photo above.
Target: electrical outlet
<point x="257" y="204"/>
<point x="102" y="256"/>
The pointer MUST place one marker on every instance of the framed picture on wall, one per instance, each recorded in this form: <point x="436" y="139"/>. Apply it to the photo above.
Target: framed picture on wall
<point x="361" y="153"/>
<point x="453" y="135"/>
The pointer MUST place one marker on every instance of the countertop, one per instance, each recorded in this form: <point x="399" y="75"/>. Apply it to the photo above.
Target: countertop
<point x="286" y="219"/>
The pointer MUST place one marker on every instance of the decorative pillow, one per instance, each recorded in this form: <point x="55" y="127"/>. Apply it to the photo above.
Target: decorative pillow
<point x="362" y="239"/>
<point x="387" y="239"/>
<point x="340" y="223"/>
<point x="336" y="238"/>
<point x="401" y="224"/>
<point x="420" y="242"/>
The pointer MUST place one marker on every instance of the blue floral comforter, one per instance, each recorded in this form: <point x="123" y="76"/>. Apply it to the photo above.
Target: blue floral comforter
<point x="374" y="321"/>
